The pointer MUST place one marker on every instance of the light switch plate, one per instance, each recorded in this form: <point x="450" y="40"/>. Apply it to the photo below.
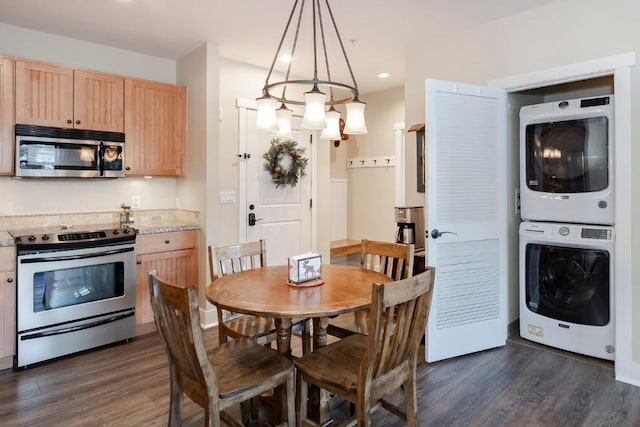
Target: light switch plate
<point x="227" y="197"/>
<point x="135" y="202"/>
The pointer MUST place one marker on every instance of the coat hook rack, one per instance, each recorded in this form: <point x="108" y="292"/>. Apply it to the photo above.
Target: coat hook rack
<point x="371" y="162"/>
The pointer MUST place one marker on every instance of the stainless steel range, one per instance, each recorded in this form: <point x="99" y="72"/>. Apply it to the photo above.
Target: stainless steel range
<point x="76" y="291"/>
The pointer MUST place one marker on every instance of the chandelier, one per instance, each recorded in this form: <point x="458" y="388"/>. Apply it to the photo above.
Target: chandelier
<point x="322" y="93"/>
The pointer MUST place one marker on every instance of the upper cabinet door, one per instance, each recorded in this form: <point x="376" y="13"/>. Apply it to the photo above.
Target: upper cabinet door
<point x="44" y="94"/>
<point x="6" y="116"/>
<point x="155" y="128"/>
<point x="50" y="95"/>
<point x="98" y="101"/>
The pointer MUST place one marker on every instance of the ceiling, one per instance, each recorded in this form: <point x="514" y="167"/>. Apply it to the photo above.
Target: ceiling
<point x="374" y="31"/>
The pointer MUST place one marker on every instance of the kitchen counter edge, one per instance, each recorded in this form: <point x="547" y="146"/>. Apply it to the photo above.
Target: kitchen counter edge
<point x="153" y="229"/>
<point x="7" y="240"/>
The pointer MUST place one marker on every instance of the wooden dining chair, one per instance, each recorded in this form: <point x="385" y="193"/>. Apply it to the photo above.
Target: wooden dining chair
<point x="237" y="372"/>
<point x="230" y="259"/>
<point x="365" y="369"/>
<point x="392" y="259"/>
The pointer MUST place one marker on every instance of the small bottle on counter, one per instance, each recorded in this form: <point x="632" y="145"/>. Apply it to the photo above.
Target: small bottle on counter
<point x="126" y="219"/>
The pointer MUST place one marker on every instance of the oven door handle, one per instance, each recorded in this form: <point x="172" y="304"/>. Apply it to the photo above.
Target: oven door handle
<point x="78" y="327"/>
<point x="75" y="257"/>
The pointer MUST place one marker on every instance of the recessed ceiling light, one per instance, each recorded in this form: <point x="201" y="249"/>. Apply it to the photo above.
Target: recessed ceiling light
<point x="286" y="58"/>
<point x="383" y="75"/>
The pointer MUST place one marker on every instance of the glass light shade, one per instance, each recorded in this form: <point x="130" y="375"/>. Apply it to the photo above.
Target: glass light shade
<point x="283" y="119"/>
<point x="314" y="116"/>
<point x="266" y="116"/>
<point x="355" y="124"/>
<point x="332" y="131"/>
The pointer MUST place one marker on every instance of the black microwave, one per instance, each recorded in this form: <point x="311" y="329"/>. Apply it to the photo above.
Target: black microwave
<point x="49" y="152"/>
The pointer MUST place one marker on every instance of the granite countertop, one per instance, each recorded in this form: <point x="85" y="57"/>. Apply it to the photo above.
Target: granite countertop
<point x="7" y="240"/>
<point x="163" y="228"/>
<point x="144" y="221"/>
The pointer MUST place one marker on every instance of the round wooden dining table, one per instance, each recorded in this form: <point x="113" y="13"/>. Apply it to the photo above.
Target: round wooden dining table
<point x="266" y="292"/>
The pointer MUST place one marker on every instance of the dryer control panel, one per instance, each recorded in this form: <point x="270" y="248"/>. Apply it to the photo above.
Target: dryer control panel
<point x="596" y="233"/>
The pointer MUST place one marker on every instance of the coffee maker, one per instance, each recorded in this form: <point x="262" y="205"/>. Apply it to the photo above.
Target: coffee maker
<point x="410" y="225"/>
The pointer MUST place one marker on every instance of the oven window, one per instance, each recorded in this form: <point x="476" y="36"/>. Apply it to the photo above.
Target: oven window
<point x="568" y="156"/>
<point x="568" y="284"/>
<point x="79" y="285"/>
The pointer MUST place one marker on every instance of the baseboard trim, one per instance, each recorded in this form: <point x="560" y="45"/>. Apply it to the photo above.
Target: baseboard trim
<point x="513" y="327"/>
<point x="208" y="318"/>
<point x="6" y="362"/>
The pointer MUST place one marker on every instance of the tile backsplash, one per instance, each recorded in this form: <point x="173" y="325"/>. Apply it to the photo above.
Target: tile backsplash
<point x="141" y="218"/>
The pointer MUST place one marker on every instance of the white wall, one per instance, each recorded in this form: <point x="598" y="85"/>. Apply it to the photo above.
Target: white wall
<point x="73" y="195"/>
<point x="557" y="34"/>
<point x="339" y="208"/>
<point x="36" y="45"/>
<point x="198" y="71"/>
<point x="372" y="190"/>
<point x="237" y="80"/>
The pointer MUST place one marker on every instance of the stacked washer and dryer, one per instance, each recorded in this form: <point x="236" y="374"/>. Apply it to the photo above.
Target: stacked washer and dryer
<point x="567" y="234"/>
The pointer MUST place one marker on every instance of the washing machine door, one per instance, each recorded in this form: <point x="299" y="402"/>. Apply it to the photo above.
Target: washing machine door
<point x="568" y="284"/>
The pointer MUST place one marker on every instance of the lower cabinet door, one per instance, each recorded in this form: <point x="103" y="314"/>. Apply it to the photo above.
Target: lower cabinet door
<point x="179" y="267"/>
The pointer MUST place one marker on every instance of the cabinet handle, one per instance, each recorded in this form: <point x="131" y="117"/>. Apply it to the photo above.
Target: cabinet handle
<point x="69" y="121"/>
<point x="138" y="262"/>
<point x="10" y="280"/>
<point x="167" y="241"/>
<point x="77" y="122"/>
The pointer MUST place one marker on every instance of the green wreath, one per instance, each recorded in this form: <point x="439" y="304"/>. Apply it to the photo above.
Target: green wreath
<point x="284" y="162"/>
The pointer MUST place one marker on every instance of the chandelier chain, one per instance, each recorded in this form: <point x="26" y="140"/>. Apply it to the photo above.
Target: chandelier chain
<point x="344" y="52"/>
<point x="284" y="34"/>
<point x="324" y="91"/>
<point x="315" y="47"/>
<point x="324" y="48"/>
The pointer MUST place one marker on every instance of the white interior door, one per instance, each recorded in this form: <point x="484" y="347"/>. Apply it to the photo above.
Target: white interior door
<point x="282" y="215"/>
<point x="466" y="202"/>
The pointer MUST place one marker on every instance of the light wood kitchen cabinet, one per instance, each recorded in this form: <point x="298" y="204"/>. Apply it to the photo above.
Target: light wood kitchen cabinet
<point x="98" y="101"/>
<point x="7" y="141"/>
<point x="7" y="306"/>
<point x="174" y="255"/>
<point x="155" y="128"/>
<point x="52" y="95"/>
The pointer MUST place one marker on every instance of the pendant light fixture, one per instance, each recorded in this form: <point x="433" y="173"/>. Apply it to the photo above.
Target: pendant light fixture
<point x="322" y="93"/>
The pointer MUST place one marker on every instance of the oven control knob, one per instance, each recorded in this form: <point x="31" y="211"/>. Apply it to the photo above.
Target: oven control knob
<point x="564" y="231"/>
<point x="126" y="231"/>
<point x="31" y="238"/>
<point x="45" y="237"/>
<point x="116" y="231"/>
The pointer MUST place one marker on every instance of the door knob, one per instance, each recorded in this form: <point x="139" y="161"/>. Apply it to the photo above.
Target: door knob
<point x="435" y="233"/>
<point x="253" y="220"/>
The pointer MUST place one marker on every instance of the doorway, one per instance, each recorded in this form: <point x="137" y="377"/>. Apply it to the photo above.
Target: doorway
<point x="581" y="77"/>
<point x="282" y="214"/>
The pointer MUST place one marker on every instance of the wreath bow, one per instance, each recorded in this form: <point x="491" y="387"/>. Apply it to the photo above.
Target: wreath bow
<point x="285" y="162"/>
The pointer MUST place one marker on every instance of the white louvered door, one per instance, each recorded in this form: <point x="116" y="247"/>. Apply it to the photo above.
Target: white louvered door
<point x="466" y="202"/>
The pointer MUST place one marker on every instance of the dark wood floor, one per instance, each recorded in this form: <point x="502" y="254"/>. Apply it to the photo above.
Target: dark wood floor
<point x="517" y="385"/>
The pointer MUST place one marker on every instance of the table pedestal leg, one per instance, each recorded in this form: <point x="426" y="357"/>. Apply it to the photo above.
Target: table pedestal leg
<point x="319" y="402"/>
<point x="283" y="342"/>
